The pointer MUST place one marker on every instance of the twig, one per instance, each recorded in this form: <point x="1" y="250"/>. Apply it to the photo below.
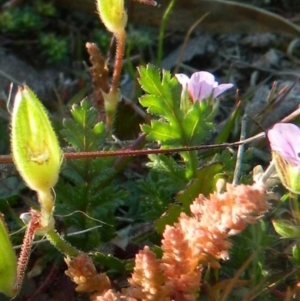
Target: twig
<point x="35" y="242"/>
<point x="266" y="175"/>
<point x="7" y="159"/>
<point x="238" y="166"/>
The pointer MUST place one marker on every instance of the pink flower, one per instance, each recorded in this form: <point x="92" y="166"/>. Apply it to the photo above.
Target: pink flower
<point x="202" y="85"/>
<point x="285" y="139"/>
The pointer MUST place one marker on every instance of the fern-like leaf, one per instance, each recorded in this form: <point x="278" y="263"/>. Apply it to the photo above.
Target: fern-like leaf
<point x="83" y="132"/>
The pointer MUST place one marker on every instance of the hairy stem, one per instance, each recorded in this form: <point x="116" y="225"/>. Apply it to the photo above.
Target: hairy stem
<point x="61" y="244"/>
<point x="25" y="251"/>
<point x="120" y="48"/>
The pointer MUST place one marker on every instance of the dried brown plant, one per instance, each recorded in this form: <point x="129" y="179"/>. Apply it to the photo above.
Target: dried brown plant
<point x="99" y="74"/>
<point x="83" y="272"/>
<point x="186" y="246"/>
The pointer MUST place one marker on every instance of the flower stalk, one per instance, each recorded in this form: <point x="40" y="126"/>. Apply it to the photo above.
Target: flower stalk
<point x="61" y="244"/>
<point x="114" y="17"/>
<point x="120" y="48"/>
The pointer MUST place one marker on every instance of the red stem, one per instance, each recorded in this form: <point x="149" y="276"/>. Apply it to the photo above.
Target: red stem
<point x="26" y="248"/>
<point x="120" y="48"/>
<point x="127" y="153"/>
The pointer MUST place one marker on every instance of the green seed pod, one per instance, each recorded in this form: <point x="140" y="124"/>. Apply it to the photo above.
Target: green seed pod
<point x="35" y="147"/>
<point x="113" y="15"/>
<point x="8" y="262"/>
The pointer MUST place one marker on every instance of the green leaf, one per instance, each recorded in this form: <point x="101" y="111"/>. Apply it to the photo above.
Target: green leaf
<point x="174" y="128"/>
<point x="169" y="218"/>
<point x="150" y="80"/>
<point x="73" y="173"/>
<point x="296" y="254"/>
<point x="10" y="188"/>
<point x="204" y="183"/>
<point x="114" y="264"/>
<point x="158" y="104"/>
<point x="286" y="230"/>
<point x="80" y="113"/>
<point x="163" y="132"/>
<point x="164" y="94"/>
<point x="228" y="160"/>
<point x="195" y="125"/>
<point x="157" y="190"/>
<point x="83" y="132"/>
<point x="162" y="164"/>
<point x="157" y="251"/>
<point x="153" y="102"/>
<point x="227" y="130"/>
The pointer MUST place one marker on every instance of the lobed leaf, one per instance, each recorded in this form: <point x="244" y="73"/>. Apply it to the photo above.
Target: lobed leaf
<point x="163" y="132"/>
<point x="83" y="132"/>
<point x="163" y="94"/>
<point x="195" y="124"/>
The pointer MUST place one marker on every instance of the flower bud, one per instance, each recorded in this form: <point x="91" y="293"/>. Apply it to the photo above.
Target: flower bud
<point x="8" y="262"/>
<point x="112" y="14"/>
<point x="284" y="142"/>
<point x="111" y="100"/>
<point x="35" y="147"/>
<point x="288" y="173"/>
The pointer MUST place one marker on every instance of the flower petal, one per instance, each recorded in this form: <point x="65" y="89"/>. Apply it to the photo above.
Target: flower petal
<point x="221" y="88"/>
<point x="194" y="91"/>
<point x="285" y="139"/>
<point x="201" y="85"/>
<point x="203" y="76"/>
<point x="206" y="89"/>
<point x="183" y="79"/>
